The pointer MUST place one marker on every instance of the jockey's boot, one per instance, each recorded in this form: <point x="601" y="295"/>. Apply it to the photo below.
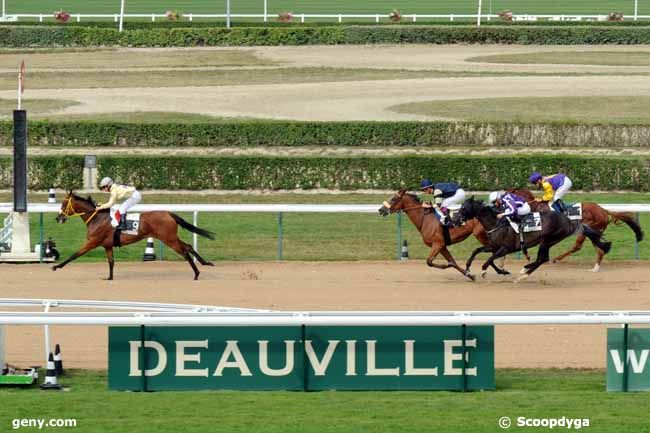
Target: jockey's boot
<point x="446" y="218"/>
<point x="559" y="206"/>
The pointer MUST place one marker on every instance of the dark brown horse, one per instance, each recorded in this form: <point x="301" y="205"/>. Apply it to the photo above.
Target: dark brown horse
<point x="161" y="225"/>
<point x="432" y="231"/>
<point x="593" y="215"/>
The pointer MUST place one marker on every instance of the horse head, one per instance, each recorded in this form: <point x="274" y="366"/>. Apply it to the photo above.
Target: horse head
<point x="73" y="205"/>
<point x="402" y="200"/>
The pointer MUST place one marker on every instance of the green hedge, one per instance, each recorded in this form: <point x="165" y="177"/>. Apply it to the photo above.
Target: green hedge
<point x="66" y="36"/>
<point x="294" y="133"/>
<point x="345" y="173"/>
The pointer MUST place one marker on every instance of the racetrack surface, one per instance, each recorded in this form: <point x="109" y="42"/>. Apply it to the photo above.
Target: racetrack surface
<point x="339" y="286"/>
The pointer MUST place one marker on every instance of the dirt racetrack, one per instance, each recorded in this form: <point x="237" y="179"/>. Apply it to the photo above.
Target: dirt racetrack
<point x="339" y="286"/>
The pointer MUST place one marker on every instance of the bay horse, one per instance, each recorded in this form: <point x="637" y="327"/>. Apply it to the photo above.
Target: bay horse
<point x="504" y="240"/>
<point x="432" y="231"/>
<point x="161" y="225"/>
<point x="593" y="215"/>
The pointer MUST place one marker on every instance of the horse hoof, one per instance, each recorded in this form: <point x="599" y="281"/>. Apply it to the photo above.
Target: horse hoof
<point x="471" y="277"/>
<point x="523" y="271"/>
<point x="209" y="264"/>
<point x="505" y="273"/>
<point x="54" y="268"/>
<point x="483" y="274"/>
<point x="521" y="278"/>
<point x="596" y="268"/>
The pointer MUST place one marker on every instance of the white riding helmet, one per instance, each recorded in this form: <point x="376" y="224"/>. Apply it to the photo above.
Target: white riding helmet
<point x="107" y="181"/>
<point x="494" y="196"/>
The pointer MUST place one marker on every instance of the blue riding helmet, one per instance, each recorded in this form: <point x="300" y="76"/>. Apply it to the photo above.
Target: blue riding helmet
<point x="426" y="183"/>
<point x="534" y="177"/>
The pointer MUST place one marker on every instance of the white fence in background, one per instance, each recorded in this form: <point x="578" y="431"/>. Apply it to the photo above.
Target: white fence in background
<point x="281" y="209"/>
<point x="311" y="17"/>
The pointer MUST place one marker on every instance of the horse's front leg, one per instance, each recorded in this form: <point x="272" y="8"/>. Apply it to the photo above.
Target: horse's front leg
<point x="89" y="245"/>
<point x="502" y="251"/>
<point x="111" y="261"/>
<point x="452" y="263"/>
<point x="476" y="252"/>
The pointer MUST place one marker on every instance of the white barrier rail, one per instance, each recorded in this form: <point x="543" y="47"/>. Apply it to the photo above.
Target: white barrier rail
<point x="327" y="318"/>
<point x="275" y="208"/>
<point x="339" y="17"/>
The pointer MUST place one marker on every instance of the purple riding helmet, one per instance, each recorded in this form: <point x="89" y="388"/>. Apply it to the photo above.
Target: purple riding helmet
<point x="534" y="177"/>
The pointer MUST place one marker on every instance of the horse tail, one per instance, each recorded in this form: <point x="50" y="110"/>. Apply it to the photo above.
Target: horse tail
<point x="194" y="229"/>
<point x="628" y="219"/>
<point x="596" y="238"/>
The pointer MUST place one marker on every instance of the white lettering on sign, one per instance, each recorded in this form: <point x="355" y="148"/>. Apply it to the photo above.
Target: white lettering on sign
<point x="182" y="358"/>
<point x="409" y="361"/>
<point x="638" y="364"/>
<point x="264" y="359"/>
<point x="134" y="349"/>
<point x="320" y="366"/>
<point x="351" y="364"/>
<point x="232" y="349"/>
<point x="371" y="363"/>
<point x="450" y="357"/>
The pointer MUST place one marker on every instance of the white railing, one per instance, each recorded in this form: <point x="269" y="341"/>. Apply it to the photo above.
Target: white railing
<point x="339" y="17"/>
<point x="329" y="318"/>
<point x="7" y="230"/>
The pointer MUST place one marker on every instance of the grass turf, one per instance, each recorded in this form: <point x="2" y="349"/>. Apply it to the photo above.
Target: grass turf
<point x="606" y="58"/>
<point x="328" y="7"/>
<point x="547" y="393"/>
<point x="34" y="106"/>
<point x="580" y="109"/>
<point x="314" y="236"/>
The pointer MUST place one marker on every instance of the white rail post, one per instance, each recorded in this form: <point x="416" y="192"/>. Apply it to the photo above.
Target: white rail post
<point x="478" y="16"/>
<point x="4" y="13"/>
<point x="46" y="333"/>
<point x="195" y="238"/>
<point x="121" y="27"/>
<point x="228" y="13"/>
<point x="636" y="9"/>
<point x="266" y="11"/>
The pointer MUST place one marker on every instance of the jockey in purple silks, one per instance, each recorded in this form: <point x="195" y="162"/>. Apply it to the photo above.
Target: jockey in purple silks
<point x="555" y="187"/>
<point x="514" y="205"/>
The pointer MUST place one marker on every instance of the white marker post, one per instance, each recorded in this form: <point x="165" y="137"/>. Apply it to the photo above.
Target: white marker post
<point x="121" y="15"/>
<point x="21" y="83"/>
<point x="478" y="17"/>
<point x="228" y="13"/>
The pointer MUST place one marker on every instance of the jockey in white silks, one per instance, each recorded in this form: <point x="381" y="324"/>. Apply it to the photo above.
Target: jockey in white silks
<point x="119" y="192"/>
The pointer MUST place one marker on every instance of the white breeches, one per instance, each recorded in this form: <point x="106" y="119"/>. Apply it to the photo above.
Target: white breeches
<point x="457" y="198"/>
<point x="561" y="191"/>
<point x="523" y="210"/>
<point x="130" y="202"/>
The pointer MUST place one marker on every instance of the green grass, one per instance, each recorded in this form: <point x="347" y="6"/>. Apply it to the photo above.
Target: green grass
<point x="330" y="6"/>
<point x="315" y="236"/>
<point x="34" y="106"/>
<point x="605" y="58"/>
<point x="582" y="109"/>
<point x="530" y="393"/>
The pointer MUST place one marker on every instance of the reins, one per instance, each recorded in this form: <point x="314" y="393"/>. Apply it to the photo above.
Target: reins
<point x="70" y="212"/>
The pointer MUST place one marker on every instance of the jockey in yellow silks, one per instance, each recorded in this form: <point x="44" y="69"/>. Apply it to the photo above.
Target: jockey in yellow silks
<point x="119" y="192"/>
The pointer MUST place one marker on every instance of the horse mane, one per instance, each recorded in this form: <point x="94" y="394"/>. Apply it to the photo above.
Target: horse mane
<point x="414" y="196"/>
<point x="89" y="200"/>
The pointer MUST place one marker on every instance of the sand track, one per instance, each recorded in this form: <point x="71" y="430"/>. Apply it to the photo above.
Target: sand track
<point x="340" y="286"/>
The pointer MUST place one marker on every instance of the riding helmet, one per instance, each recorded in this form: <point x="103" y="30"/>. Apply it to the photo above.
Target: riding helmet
<point x="426" y="183"/>
<point x="107" y="181"/>
<point x="534" y="177"/>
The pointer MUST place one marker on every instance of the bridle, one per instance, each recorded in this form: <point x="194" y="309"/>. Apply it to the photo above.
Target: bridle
<point x="70" y="211"/>
<point x="406" y="209"/>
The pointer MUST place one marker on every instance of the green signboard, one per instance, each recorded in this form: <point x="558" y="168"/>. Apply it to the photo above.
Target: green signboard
<point x="627" y="359"/>
<point x="301" y="357"/>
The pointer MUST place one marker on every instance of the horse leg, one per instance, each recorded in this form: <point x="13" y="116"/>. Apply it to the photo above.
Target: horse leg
<point x="542" y="257"/>
<point x="89" y="245"/>
<point x="452" y="262"/>
<point x="201" y="260"/>
<point x="183" y="250"/>
<point x="502" y="251"/>
<point x="111" y="261"/>
<point x="599" y="259"/>
<point x="435" y="250"/>
<point x="476" y="252"/>
<point x="580" y="239"/>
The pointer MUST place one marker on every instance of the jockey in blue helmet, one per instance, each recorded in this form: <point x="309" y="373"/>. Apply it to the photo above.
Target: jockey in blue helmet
<point x="445" y="194"/>
<point x="554" y="186"/>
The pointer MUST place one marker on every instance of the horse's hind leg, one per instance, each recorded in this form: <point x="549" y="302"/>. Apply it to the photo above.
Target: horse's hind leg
<point x="542" y="257"/>
<point x="183" y="250"/>
<point x="452" y="262"/>
<point x="580" y="239"/>
<point x="201" y="260"/>
<point x="111" y="261"/>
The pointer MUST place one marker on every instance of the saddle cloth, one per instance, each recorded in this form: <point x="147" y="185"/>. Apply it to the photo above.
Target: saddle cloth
<point x="574" y="212"/>
<point x="130" y="223"/>
<point x="531" y="223"/>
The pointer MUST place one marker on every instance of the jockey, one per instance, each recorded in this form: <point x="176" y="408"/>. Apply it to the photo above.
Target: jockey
<point x="444" y="196"/>
<point x="118" y="192"/>
<point x="514" y="205"/>
<point x="555" y="187"/>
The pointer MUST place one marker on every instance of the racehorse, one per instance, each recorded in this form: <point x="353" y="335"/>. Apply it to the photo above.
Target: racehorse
<point x="503" y="240"/>
<point x="433" y="232"/>
<point x="161" y="225"/>
<point x="594" y="216"/>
